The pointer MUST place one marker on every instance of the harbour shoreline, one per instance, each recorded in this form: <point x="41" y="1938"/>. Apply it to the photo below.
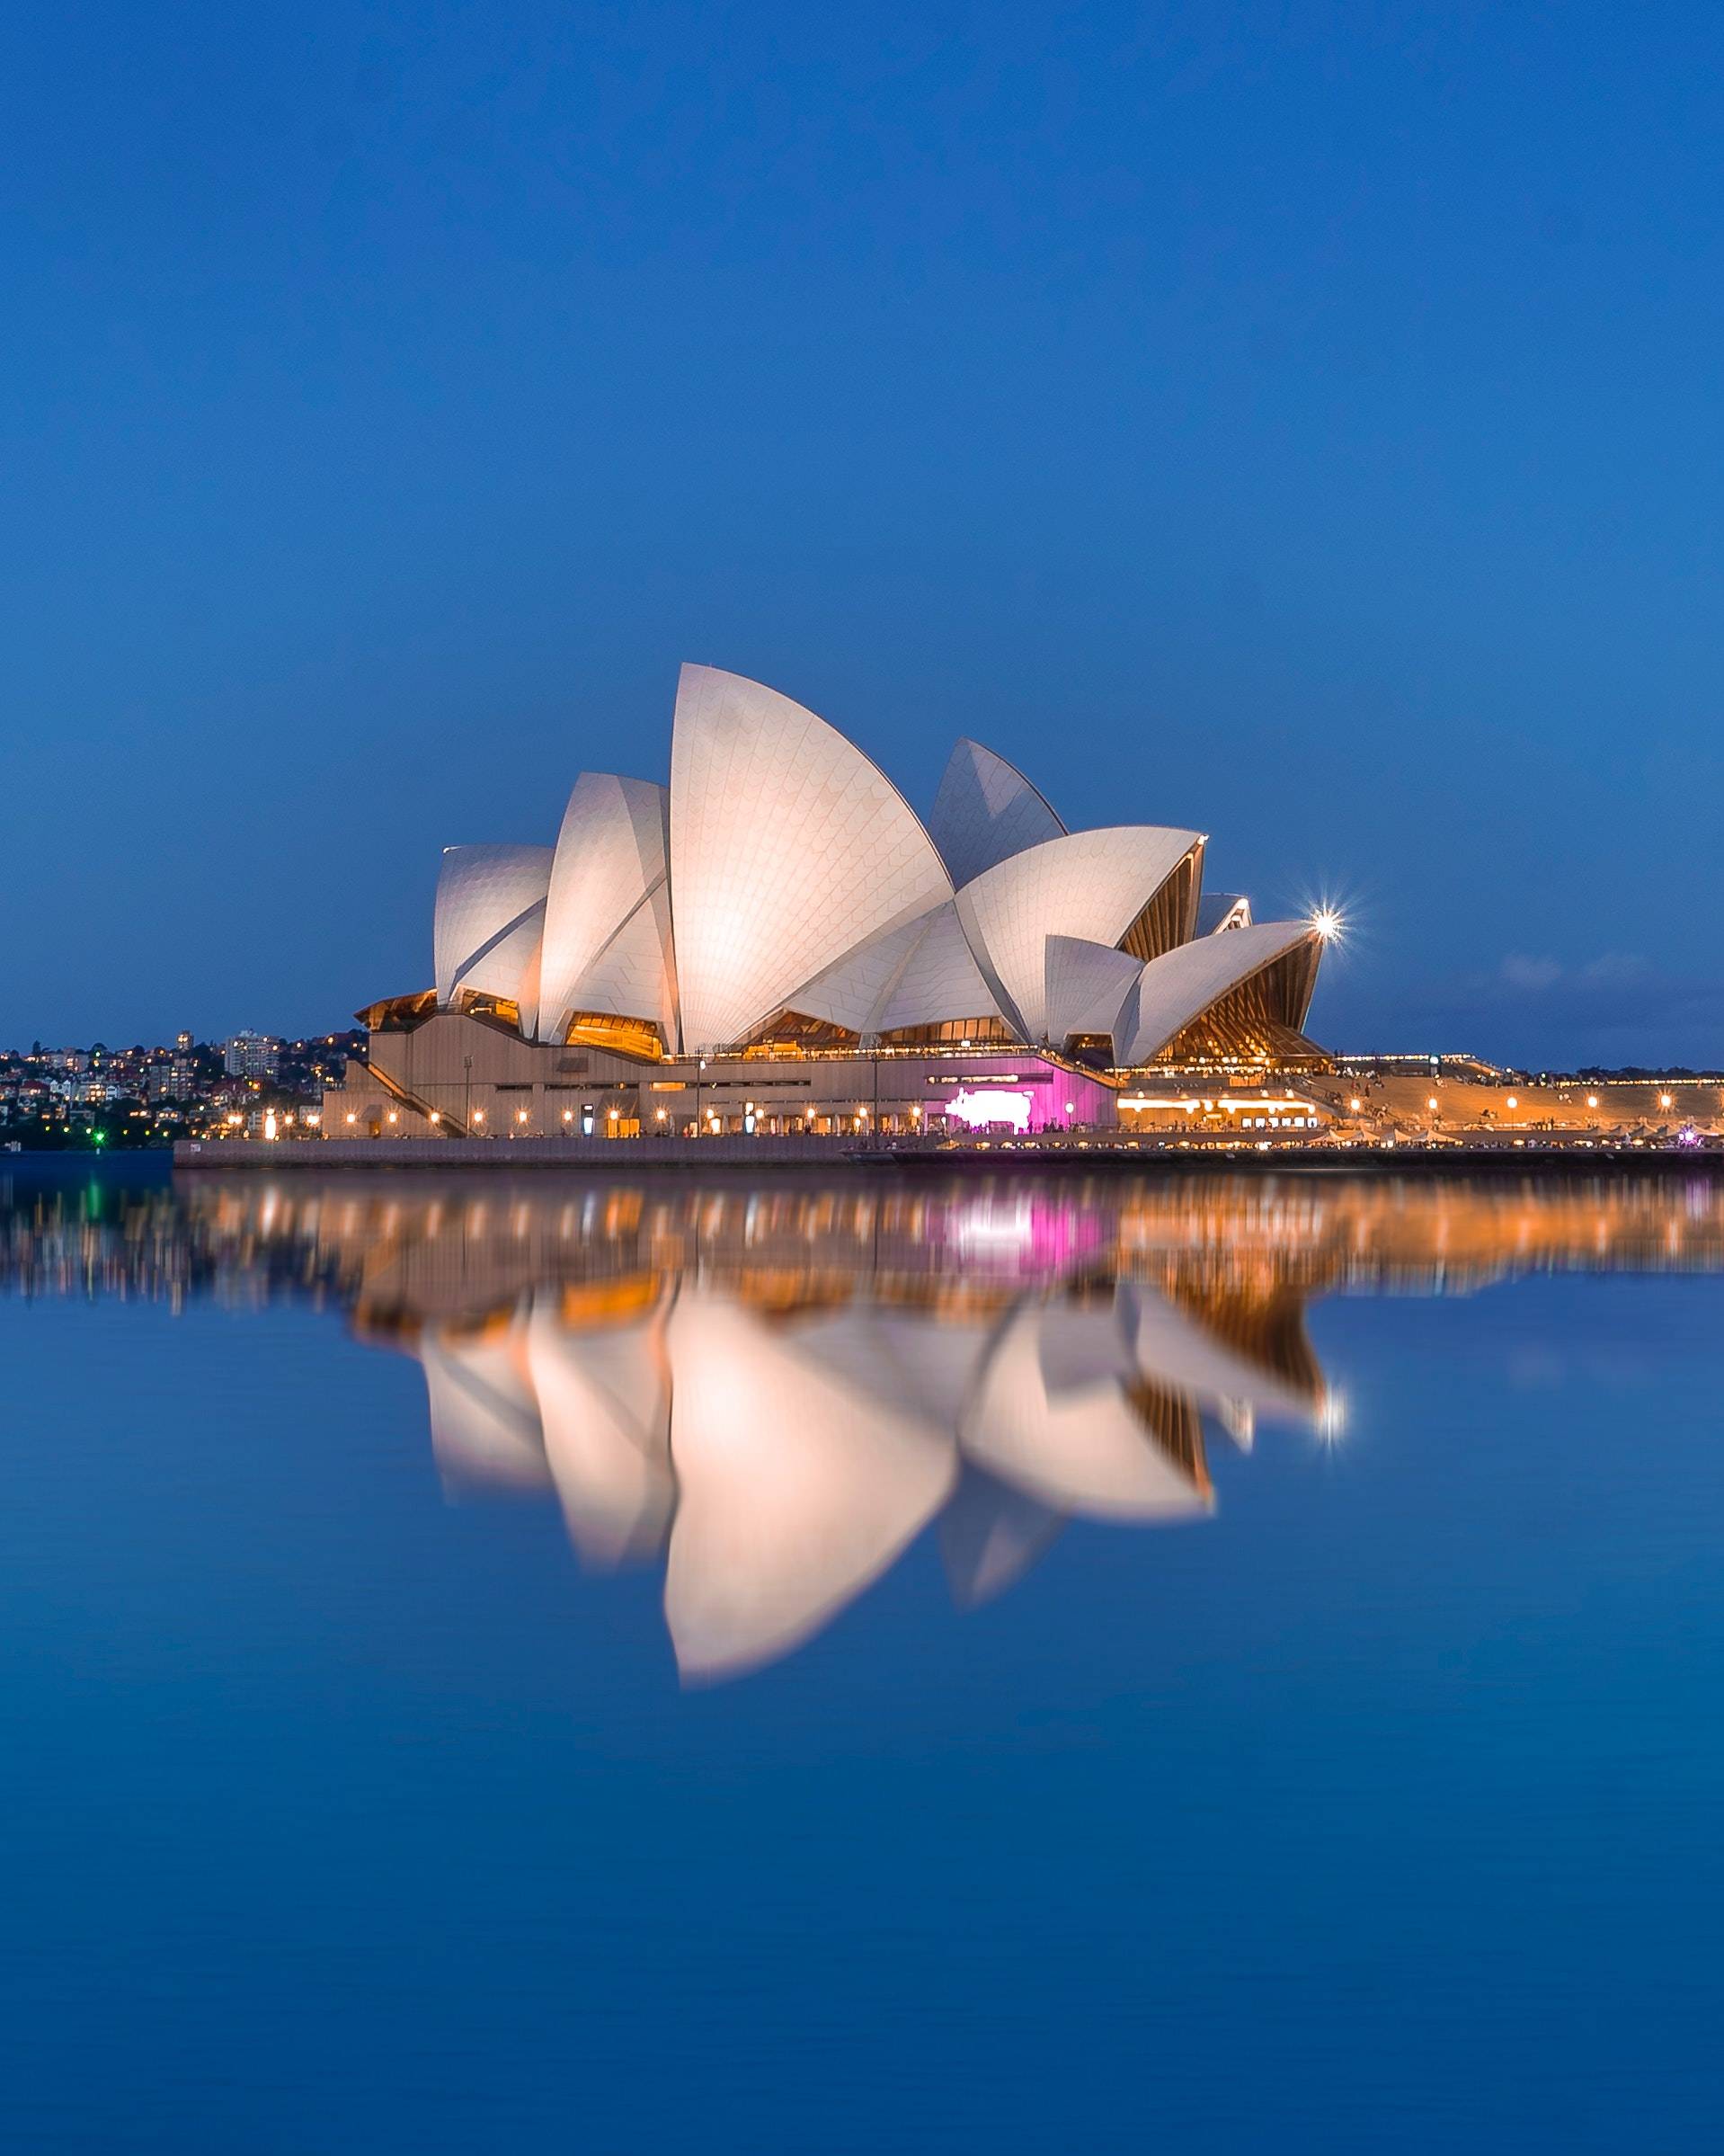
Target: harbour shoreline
<point x="762" y="1152"/>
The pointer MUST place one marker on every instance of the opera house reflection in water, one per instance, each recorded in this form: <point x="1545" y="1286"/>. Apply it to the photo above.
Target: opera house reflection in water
<point x="773" y="1388"/>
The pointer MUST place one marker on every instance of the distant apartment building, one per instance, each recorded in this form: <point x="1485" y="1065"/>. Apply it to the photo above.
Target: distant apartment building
<point x="253" y="1056"/>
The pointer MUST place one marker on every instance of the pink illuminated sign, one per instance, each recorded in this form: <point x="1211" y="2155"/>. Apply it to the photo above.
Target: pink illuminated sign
<point x="990" y="1104"/>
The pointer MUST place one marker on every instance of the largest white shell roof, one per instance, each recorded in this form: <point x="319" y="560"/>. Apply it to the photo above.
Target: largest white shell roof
<point x="787" y="847"/>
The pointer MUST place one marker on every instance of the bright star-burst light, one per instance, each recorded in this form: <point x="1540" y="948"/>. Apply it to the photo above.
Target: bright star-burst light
<point x="1327" y="923"/>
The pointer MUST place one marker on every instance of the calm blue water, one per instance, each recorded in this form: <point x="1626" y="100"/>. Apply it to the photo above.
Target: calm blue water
<point x="980" y="1666"/>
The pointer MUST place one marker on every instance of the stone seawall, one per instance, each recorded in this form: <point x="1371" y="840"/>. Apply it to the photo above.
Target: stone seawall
<point x="1094" y="1151"/>
<point x="758" y="1152"/>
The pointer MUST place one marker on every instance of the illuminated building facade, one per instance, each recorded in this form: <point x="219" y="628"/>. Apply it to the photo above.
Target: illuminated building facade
<point x="776" y="942"/>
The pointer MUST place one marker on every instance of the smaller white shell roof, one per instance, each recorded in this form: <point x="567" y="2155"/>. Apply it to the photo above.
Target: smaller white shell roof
<point x="610" y="854"/>
<point x="1181" y="985"/>
<point x="489" y="920"/>
<point x="985" y="811"/>
<point x="1087" y="984"/>
<point x="1090" y="884"/>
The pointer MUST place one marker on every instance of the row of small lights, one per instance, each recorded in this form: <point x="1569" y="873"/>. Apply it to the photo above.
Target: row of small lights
<point x="1513" y="1101"/>
<point x="614" y="1114"/>
<point x="1509" y="1100"/>
<point x="1355" y="1104"/>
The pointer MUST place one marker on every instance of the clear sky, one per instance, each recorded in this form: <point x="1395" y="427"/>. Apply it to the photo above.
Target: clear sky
<point x="1300" y="423"/>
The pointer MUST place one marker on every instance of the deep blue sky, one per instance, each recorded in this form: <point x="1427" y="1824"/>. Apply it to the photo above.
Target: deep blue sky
<point x="1302" y="423"/>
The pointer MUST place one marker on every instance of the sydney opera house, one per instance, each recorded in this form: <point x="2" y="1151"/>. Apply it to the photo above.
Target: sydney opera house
<point x="776" y="943"/>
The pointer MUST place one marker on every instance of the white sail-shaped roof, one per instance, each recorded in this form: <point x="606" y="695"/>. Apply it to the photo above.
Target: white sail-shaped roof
<point x="607" y="911"/>
<point x="794" y="1492"/>
<point x="1086" y="983"/>
<point x="1082" y="1449"/>
<point x="941" y="981"/>
<point x="605" y="1414"/>
<point x="1181" y="985"/>
<point x="789" y="847"/>
<point x="1090" y="884"/>
<point x="489" y="920"/>
<point x="985" y="811"/>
